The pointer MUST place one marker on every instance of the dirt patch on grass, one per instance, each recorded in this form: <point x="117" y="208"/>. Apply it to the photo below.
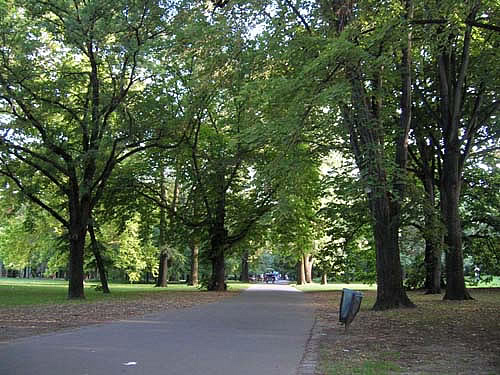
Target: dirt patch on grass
<point x="436" y="337"/>
<point x="33" y="320"/>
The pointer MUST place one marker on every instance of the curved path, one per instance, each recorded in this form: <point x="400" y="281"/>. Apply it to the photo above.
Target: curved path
<point x="262" y="331"/>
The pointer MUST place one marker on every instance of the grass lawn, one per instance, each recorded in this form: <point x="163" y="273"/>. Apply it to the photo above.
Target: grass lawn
<point x="22" y="292"/>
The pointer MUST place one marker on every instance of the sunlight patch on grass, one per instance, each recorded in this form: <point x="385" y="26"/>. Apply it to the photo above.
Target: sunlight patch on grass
<point x="18" y="292"/>
<point x="236" y="286"/>
<point x="313" y="287"/>
<point x="493" y="283"/>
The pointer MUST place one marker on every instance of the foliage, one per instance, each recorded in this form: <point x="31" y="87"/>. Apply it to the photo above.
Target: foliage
<point x="28" y="238"/>
<point x="257" y="97"/>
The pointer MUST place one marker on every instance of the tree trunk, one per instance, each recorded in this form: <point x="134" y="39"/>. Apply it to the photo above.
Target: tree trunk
<point x="100" y="264"/>
<point x="451" y="184"/>
<point x="308" y="264"/>
<point x="324" y="279"/>
<point x="390" y="290"/>
<point x="433" y="241"/>
<point x="218" y="261"/>
<point x="301" y="272"/>
<point x="76" y="276"/>
<point x="218" y="242"/>
<point x="432" y="231"/>
<point x="219" y="234"/>
<point x="195" y="249"/>
<point x="452" y="88"/>
<point x="244" y="277"/>
<point x="162" y="280"/>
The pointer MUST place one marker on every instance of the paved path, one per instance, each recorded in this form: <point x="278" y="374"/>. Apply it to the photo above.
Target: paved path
<point x="262" y="331"/>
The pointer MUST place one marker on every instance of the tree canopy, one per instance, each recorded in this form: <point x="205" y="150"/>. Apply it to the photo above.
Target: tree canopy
<point x="164" y="128"/>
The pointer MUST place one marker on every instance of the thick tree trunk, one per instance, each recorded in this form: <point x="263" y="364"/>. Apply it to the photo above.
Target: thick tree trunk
<point x="100" y="264"/>
<point x="244" y="277"/>
<point x="390" y="290"/>
<point x="218" y="265"/>
<point x="218" y="243"/>
<point x="76" y="275"/>
<point x="451" y="185"/>
<point x="79" y="211"/>
<point x="324" y="279"/>
<point x="219" y="234"/>
<point x="195" y="249"/>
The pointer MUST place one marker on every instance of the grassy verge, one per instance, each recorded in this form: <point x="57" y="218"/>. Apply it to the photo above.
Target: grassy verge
<point x="23" y="292"/>
<point x="436" y="337"/>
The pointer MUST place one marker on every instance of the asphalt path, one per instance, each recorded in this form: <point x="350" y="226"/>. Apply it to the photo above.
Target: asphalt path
<point x="264" y="330"/>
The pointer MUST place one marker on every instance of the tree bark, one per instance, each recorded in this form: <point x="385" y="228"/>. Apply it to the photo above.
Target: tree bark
<point x="390" y="290"/>
<point x="451" y="184"/>
<point x="324" y="279"/>
<point x="308" y="264"/>
<point x="218" y="260"/>
<point x="79" y="212"/>
<point x="162" y="280"/>
<point x="100" y="264"/>
<point x="244" y="277"/>
<point x="433" y="241"/>
<point x="219" y="234"/>
<point x="76" y="276"/>
<point x="195" y="249"/>
<point x="301" y="272"/>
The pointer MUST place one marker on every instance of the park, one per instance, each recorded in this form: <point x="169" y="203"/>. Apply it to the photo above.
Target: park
<point x="199" y="182"/>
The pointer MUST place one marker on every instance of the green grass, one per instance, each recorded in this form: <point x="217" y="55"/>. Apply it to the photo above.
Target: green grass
<point x="18" y="292"/>
<point x="334" y="287"/>
<point x="234" y="286"/>
<point x="494" y="283"/>
<point x="364" y="367"/>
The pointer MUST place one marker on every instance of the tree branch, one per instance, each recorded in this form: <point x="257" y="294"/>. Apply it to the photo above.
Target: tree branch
<point x="297" y="13"/>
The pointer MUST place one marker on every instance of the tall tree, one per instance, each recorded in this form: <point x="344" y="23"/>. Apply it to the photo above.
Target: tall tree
<point x="366" y="115"/>
<point x="70" y="74"/>
<point x="467" y="103"/>
<point x="426" y="160"/>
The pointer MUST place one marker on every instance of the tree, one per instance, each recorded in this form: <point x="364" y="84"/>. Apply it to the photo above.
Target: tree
<point x="346" y="253"/>
<point x="223" y="167"/>
<point x="70" y="79"/>
<point x="425" y="158"/>
<point x="363" y="59"/>
<point x="27" y="237"/>
<point x="467" y="101"/>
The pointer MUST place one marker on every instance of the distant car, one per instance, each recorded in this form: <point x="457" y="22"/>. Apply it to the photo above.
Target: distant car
<point x="270" y="277"/>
